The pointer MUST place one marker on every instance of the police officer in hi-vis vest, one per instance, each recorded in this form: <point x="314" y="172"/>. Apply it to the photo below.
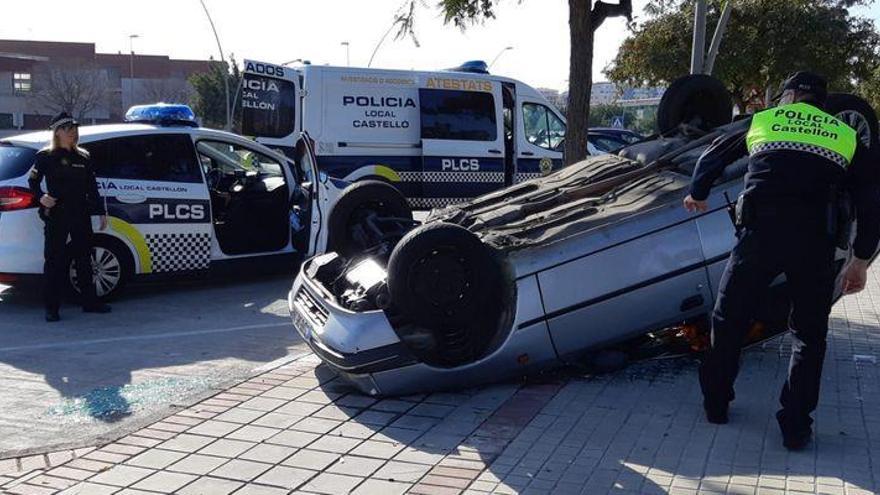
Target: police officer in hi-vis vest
<point x="806" y="168"/>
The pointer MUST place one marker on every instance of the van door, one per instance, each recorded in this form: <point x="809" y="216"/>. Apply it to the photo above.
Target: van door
<point x="270" y="104"/>
<point x="541" y="141"/>
<point x="462" y="133"/>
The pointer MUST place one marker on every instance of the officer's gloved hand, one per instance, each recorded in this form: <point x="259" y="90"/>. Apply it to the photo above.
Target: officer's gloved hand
<point x="47" y="201"/>
<point x="855" y="276"/>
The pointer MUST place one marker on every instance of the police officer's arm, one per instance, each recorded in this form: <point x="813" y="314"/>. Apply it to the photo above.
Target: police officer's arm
<point x="864" y="186"/>
<point x="35" y="180"/>
<point x="723" y="151"/>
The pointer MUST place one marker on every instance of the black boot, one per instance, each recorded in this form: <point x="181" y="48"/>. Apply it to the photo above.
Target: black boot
<point x="52" y="315"/>
<point x="716" y="415"/>
<point x="794" y="437"/>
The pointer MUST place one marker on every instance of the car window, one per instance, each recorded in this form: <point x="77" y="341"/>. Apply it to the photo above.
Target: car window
<point x="607" y="144"/>
<point x="230" y="158"/>
<point x="542" y="127"/>
<point x="15" y="161"/>
<point x="268" y="106"/>
<point x="159" y="157"/>
<point x="460" y="115"/>
<point x="303" y="160"/>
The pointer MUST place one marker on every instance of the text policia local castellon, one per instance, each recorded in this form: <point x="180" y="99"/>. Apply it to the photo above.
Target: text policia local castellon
<point x="805" y="123"/>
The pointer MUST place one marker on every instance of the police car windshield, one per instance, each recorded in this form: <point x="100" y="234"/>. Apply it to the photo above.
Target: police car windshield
<point x="15" y="161"/>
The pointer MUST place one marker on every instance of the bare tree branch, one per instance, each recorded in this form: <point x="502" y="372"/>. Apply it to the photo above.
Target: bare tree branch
<point x="71" y="88"/>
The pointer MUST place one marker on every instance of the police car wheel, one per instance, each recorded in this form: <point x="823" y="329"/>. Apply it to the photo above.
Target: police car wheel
<point x="445" y="279"/>
<point x="357" y="203"/>
<point x="112" y="267"/>
<point x="697" y="100"/>
<point x="856" y="113"/>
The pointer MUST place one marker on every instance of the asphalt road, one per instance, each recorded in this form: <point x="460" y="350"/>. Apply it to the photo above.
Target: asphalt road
<point x="69" y="383"/>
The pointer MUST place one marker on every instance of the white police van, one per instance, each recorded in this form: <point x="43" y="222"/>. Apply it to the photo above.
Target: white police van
<point x="440" y="137"/>
<point x="181" y="198"/>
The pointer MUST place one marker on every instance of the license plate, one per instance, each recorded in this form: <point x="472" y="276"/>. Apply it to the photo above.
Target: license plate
<point x="302" y="324"/>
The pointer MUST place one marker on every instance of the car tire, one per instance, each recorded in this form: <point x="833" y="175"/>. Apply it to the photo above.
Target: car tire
<point x="856" y="113"/>
<point x="357" y="201"/>
<point x="115" y="271"/>
<point x="697" y="100"/>
<point x="442" y="277"/>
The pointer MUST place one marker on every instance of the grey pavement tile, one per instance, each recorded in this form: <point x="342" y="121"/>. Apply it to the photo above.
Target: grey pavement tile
<point x="340" y="445"/>
<point x="284" y="393"/>
<point x="371" y="417"/>
<point x="381" y="487"/>
<point x="332" y="483"/>
<point x="51" y="482"/>
<point x="197" y="464"/>
<point x="164" y="482"/>
<point x="214" y="428"/>
<point x="401" y="471"/>
<point x="286" y="477"/>
<point x="353" y="429"/>
<point x="272" y="454"/>
<point x="415" y="422"/>
<point x="210" y="486"/>
<point x="397" y="435"/>
<point x="253" y="433"/>
<point x="240" y="415"/>
<point x="252" y="489"/>
<point x="355" y="466"/>
<point x="227" y="448"/>
<point x="241" y="470"/>
<point x="89" y="488"/>
<point x="70" y="473"/>
<point x="356" y="400"/>
<point x="381" y="450"/>
<point x="277" y="420"/>
<point x="186" y="442"/>
<point x="298" y="408"/>
<point x="311" y="459"/>
<point x="319" y="397"/>
<point x="292" y="438"/>
<point x="333" y="411"/>
<point x="316" y="425"/>
<point x="121" y="475"/>
<point x="88" y="464"/>
<point x="156" y="458"/>
<point x="392" y="405"/>
<point x="263" y="404"/>
<point x="431" y="410"/>
<point x="410" y="454"/>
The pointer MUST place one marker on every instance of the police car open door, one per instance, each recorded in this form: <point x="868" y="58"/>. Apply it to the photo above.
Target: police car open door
<point x="462" y="139"/>
<point x="270" y="103"/>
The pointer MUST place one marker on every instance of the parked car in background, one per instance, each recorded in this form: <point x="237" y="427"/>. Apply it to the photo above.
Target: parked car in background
<point x="541" y="272"/>
<point x="612" y="140"/>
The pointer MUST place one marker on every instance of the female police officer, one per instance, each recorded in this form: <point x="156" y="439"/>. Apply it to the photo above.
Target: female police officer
<point x="66" y="208"/>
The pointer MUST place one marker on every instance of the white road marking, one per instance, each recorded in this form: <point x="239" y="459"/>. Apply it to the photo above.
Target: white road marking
<point x="155" y="336"/>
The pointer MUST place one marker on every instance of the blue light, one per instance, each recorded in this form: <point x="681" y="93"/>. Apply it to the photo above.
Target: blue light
<point x="472" y="66"/>
<point x="162" y="114"/>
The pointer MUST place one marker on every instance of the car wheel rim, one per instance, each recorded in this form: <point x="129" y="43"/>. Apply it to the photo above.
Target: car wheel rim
<point x="106" y="271"/>
<point x="443" y="279"/>
<point x="858" y="122"/>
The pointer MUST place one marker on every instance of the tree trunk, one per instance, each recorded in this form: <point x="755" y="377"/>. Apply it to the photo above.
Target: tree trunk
<point x="580" y="80"/>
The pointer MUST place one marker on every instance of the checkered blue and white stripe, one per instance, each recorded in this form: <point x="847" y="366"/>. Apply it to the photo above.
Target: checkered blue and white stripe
<point x="468" y="177"/>
<point x="179" y="252"/>
<point x="826" y="153"/>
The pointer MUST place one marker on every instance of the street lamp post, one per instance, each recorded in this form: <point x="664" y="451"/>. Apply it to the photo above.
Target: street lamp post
<point x="347" y="46"/>
<point x="506" y="48"/>
<point x="131" y="38"/>
<point x="223" y="61"/>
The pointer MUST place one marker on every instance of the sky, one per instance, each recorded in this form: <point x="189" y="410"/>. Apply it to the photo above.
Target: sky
<point x="279" y="31"/>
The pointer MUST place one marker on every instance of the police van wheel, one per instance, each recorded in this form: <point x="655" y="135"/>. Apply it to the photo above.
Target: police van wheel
<point x="445" y="279"/>
<point x="112" y="266"/>
<point x="856" y="113"/>
<point x="698" y="101"/>
<point x="358" y="203"/>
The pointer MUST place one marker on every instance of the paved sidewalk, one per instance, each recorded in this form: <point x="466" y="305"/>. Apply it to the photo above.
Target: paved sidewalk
<point x="298" y="429"/>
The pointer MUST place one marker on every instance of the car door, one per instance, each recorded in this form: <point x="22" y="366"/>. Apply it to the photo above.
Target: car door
<point x="156" y="199"/>
<point x="654" y="279"/>
<point x="462" y="140"/>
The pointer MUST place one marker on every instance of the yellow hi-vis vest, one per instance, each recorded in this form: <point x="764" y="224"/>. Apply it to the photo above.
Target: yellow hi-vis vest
<point x="802" y="127"/>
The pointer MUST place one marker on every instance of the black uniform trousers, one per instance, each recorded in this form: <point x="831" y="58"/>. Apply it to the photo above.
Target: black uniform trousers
<point x="59" y="225"/>
<point x="794" y="241"/>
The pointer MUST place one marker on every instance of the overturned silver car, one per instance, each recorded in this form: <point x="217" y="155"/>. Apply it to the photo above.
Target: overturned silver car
<point x="541" y="272"/>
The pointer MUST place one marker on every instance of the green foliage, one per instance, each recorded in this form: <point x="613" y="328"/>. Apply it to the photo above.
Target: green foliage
<point x="208" y="98"/>
<point x="765" y="41"/>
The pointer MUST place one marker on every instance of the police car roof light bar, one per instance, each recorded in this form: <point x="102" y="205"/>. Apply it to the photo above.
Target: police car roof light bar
<point x="472" y="66"/>
<point x="162" y="114"/>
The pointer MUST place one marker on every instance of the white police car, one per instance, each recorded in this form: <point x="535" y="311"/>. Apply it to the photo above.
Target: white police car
<point x="182" y="198"/>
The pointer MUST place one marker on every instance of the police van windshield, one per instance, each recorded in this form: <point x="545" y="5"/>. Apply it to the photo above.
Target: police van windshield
<point x="268" y="106"/>
<point x="15" y="161"/>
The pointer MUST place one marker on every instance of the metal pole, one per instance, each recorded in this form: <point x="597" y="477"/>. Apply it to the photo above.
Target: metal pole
<point x="699" y="46"/>
<point x="131" y="38"/>
<point x="225" y="68"/>
<point x="499" y="55"/>
<point x="716" y="38"/>
<point x="347" y="53"/>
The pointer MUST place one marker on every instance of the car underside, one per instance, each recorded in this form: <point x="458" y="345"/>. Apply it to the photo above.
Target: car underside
<point x="537" y="274"/>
